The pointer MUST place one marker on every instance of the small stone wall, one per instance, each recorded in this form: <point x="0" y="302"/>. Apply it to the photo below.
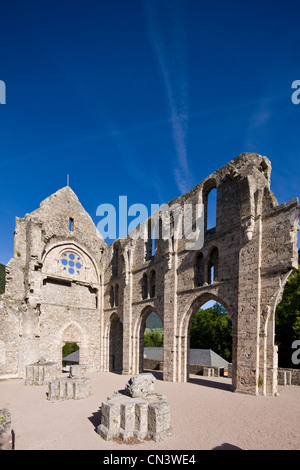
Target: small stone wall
<point x="208" y="371"/>
<point x="153" y="364"/>
<point x="195" y="369"/>
<point x="137" y="412"/>
<point x="288" y="376"/>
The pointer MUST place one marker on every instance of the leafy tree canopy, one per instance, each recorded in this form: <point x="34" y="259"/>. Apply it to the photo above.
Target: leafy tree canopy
<point x="153" y="339"/>
<point x="69" y="348"/>
<point x="287" y="327"/>
<point x="211" y="328"/>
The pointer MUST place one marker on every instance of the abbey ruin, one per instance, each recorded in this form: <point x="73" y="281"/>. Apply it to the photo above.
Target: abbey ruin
<point x="65" y="284"/>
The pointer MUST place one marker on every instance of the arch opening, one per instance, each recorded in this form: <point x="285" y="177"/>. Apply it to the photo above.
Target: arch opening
<point x="116" y="344"/>
<point x="199" y="270"/>
<point x="150" y="341"/>
<point x="152" y="284"/>
<point x="211" y="209"/>
<point x="287" y="324"/>
<point x="213" y="266"/>
<point x="210" y="341"/>
<point x="70" y="355"/>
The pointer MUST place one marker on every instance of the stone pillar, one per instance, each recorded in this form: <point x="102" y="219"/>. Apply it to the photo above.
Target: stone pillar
<point x="159" y="420"/>
<point x="141" y="419"/>
<point x="247" y="374"/>
<point x="171" y="349"/>
<point x="127" y="420"/>
<point x="128" y="367"/>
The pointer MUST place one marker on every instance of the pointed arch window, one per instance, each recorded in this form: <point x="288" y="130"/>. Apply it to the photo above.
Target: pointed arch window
<point x="152" y="281"/>
<point x="144" y="286"/>
<point x="199" y="270"/>
<point x="115" y="261"/>
<point x="213" y="266"/>
<point x="210" y="204"/>
<point x="112" y="296"/>
<point x="117" y="295"/>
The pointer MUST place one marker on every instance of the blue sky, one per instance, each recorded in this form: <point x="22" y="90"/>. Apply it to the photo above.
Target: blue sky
<point x="142" y="98"/>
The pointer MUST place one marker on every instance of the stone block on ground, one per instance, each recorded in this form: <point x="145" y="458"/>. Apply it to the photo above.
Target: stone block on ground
<point x="125" y="416"/>
<point x="73" y="387"/>
<point x="140" y="385"/>
<point x="40" y="373"/>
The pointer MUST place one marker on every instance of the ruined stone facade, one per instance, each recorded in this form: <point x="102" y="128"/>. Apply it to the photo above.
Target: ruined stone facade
<point x="64" y="284"/>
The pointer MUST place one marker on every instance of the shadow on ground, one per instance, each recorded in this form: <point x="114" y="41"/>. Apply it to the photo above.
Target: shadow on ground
<point x="226" y="446"/>
<point x="95" y="419"/>
<point x="211" y="384"/>
<point x="197" y="381"/>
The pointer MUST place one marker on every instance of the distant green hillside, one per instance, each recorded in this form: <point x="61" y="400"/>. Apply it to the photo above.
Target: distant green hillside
<point x="2" y="279"/>
<point x="153" y="322"/>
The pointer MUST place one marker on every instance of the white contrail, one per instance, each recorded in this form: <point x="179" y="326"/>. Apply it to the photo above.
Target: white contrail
<point x="167" y="37"/>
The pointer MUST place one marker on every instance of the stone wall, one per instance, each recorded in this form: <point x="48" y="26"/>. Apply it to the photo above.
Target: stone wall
<point x="52" y="286"/>
<point x="295" y="375"/>
<point x="65" y="284"/>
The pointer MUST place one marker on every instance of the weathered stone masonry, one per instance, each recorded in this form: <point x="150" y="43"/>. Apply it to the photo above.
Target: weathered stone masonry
<point x="65" y="284"/>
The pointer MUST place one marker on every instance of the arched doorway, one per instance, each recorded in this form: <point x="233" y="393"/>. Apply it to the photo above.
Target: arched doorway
<point x="210" y="340"/>
<point x="115" y="344"/>
<point x="73" y="340"/>
<point x="70" y="355"/>
<point x="153" y="343"/>
<point x="183" y="351"/>
<point x="287" y="322"/>
<point x="151" y="324"/>
<point x="279" y="320"/>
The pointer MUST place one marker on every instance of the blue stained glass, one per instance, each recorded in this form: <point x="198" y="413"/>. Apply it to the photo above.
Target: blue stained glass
<point x="64" y="262"/>
<point x="71" y="263"/>
<point x="71" y="270"/>
<point x="78" y="265"/>
<point x="71" y="256"/>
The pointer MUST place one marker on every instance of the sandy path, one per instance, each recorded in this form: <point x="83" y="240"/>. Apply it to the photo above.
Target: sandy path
<point x="205" y="414"/>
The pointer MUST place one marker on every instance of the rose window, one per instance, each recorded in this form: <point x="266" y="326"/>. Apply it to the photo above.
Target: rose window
<point x="71" y="263"/>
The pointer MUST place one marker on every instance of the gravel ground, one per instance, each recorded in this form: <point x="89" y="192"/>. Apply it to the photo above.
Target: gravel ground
<point x="205" y="414"/>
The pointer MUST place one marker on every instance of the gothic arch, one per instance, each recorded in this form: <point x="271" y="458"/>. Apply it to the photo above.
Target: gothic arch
<point x="184" y="328"/>
<point x="77" y="246"/>
<point x="268" y="349"/>
<point x="72" y="332"/>
<point x="138" y="335"/>
<point x="114" y="339"/>
<point x="208" y="186"/>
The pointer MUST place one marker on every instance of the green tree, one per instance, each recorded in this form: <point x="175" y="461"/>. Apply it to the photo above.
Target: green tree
<point x="211" y="328"/>
<point x="153" y="339"/>
<point x="68" y="348"/>
<point x="287" y="326"/>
